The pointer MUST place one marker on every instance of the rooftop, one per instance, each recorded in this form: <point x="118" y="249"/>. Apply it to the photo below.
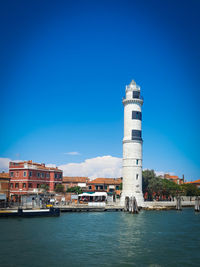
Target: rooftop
<point x="32" y="165"/>
<point x="4" y="175"/>
<point x="114" y="181"/>
<point x="194" y="182"/>
<point x="75" y="179"/>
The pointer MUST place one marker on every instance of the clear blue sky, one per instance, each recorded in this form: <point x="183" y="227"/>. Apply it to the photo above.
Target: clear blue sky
<point x="63" y="70"/>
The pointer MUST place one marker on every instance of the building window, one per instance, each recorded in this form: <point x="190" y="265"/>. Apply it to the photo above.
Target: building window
<point x="137" y="175"/>
<point x="16" y="185"/>
<point x="101" y="187"/>
<point x="96" y="187"/>
<point x="29" y="185"/>
<point x="136" y="115"/>
<point x="136" y="94"/>
<point x="55" y="175"/>
<point x="137" y="161"/>
<point x="30" y="174"/>
<point x="42" y="174"/>
<point x="24" y="185"/>
<point x="47" y="175"/>
<point x="117" y="187"/>
<point x="24" y="174"/>
<point x="106" y="187"/>
<point x="60" y="176"/>
<point x="136" y="135"/>
<point x="11" y="174"/>
<point x="38" y="175"/>
<point x="90" y="187"/>
<point x="38" y="185"/>
<point x="11" y="185"/>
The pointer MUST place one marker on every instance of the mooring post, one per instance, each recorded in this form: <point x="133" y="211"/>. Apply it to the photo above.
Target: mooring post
<point x="196" y="206"/>
<point x="135" y="206"/>
<point x="126" y="204"/>
<point x="178" y="203"/>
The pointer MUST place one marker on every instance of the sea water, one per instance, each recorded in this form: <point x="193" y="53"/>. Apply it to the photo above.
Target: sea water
<point x="150" y="238"/>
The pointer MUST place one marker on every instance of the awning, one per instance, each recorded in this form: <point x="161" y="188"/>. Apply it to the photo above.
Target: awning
<point x="96" y="194"/>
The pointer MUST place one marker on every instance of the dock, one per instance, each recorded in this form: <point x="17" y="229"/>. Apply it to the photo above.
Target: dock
<point x="86" y="208"/>
<point x="29" y="213"/>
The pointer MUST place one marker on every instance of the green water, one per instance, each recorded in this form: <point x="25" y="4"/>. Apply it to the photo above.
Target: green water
<point x="151" y="238"/>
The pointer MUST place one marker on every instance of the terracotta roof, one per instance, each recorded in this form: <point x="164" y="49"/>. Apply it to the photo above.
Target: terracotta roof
<point x="4" y="175"/>
<point x="194" y="182"/>
<point x="42" y="166"/>
<point x="167" y="176"/>
<point x="75" y="179"/>
<point x="113" y="181"/>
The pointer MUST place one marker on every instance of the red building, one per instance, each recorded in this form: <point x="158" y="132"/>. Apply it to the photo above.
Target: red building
<point x="27" y="177"/>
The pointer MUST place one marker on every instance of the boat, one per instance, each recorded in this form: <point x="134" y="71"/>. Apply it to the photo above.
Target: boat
<point x="30" y="213"/>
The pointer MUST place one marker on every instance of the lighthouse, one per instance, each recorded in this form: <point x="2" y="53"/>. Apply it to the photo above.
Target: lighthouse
<point x="132" y="144"/>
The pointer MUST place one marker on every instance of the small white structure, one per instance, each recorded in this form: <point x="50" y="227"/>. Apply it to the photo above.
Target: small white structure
<point x="132" y="145"/>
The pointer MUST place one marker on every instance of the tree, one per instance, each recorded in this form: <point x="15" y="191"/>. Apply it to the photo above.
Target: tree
<point x="147" y="175"/>
<point x="120" y="186"/>
<point x="44" y="187"/>
<point x="59" y="188"/>
<point x="190" y="190"/>
<point x="75" y="189"/>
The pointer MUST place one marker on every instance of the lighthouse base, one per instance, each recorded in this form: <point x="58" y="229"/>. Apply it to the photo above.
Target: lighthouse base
<point x="138" y="196"/>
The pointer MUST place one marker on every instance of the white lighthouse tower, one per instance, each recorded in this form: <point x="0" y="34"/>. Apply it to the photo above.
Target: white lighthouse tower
<point x="132" y="145"/>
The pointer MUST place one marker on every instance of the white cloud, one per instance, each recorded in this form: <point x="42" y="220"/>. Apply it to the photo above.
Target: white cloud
<point x="73" y="153"/>
<point x="4" y="164"/>
<point x="106" y="167"/>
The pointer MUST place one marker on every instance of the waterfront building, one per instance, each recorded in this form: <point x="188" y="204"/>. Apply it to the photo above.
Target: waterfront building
<point x="109" y="185"/>
<point x="4" y="187"/>
<point x="27" y="177"/>
<point x="196" y="183"/>
<point x="74" y="181"/>
<point x="174" y="178"/>
<point x="132" y="144"/>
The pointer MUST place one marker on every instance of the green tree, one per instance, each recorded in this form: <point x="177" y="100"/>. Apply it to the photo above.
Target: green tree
<point x="120" y="186"/>
<point x="75" y="189"/>
<point x="190" y="190"/>
<point x="59" y="188"/>
<point x="44" y="187"/>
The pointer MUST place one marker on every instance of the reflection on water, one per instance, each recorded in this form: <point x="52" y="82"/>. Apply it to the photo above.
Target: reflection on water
<point x="150" y="238"/>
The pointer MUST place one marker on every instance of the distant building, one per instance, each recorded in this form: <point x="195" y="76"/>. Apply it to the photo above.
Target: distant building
<point x="27" y="177"/>
<point x="174" y="179"/>
<point x="4" y="186"/>
<point x="74" y="181"/>
<point x="109" y="185"/>
<point x="196" y="183"/>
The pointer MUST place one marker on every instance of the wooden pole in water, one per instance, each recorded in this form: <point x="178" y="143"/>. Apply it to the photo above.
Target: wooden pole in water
<point x="135" y="206"/>
<point x="178" y="203"/>
<point x="126" y="204"/>
<point x="196" y="206"/>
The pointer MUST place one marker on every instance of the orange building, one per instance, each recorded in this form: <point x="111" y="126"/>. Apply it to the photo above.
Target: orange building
<point x="109" y="185"/>
<point x="174" y="179"/>
<point x="196" y="183"/>
<point x="74" y="181"/>
<point x="4" y="186"/>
